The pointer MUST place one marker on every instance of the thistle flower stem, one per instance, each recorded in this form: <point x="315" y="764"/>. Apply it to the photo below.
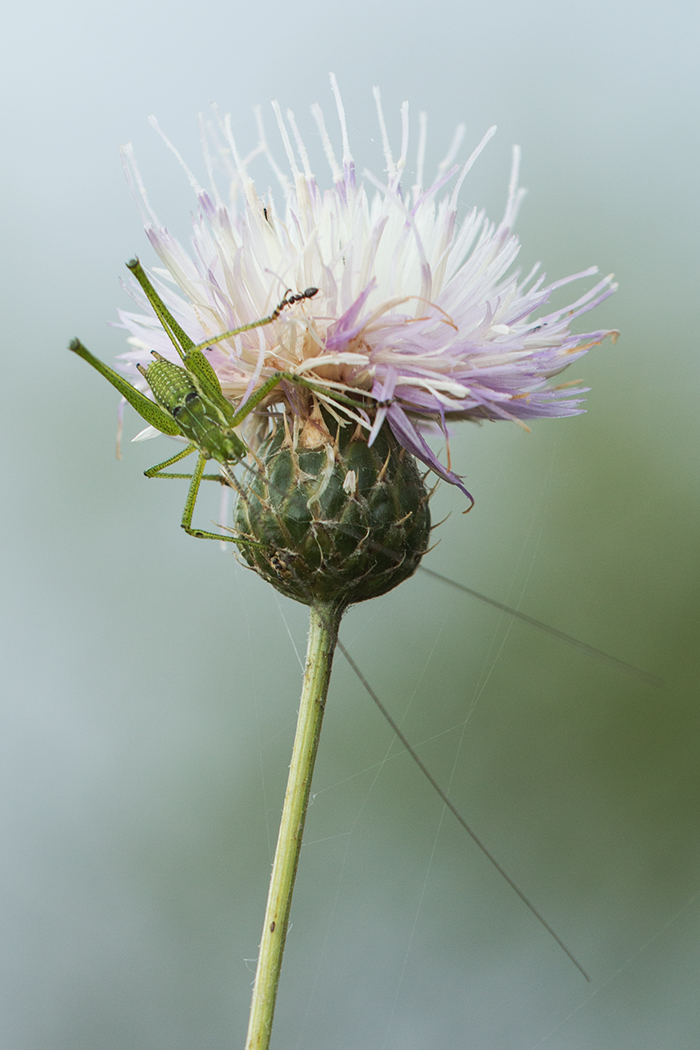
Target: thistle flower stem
<point x="323" y="632"/>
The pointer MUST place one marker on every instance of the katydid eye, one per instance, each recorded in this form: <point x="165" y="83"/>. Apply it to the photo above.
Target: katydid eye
<point x="191" y="396"/>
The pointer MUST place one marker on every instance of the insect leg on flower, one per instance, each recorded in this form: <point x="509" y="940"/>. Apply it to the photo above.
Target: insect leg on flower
<point x="189" y="401"/>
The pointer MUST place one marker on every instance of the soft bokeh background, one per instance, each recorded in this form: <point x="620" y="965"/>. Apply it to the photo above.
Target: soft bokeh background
<point x="151" y="683"/>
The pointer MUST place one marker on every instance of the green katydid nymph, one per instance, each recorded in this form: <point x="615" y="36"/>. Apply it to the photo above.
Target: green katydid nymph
<point x="189" y="402"/>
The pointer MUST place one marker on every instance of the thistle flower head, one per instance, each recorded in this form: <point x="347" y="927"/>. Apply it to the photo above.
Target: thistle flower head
<point x="420" y="319"/>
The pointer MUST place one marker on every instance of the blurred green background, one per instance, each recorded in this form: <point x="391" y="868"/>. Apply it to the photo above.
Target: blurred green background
<point x="151" y="683"/>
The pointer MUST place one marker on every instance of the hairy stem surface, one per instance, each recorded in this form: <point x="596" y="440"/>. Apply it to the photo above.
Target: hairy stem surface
<point x="323" y="628"/>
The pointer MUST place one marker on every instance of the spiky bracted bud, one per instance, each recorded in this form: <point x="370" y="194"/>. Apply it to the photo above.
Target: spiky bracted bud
<point x="338" y="522"/>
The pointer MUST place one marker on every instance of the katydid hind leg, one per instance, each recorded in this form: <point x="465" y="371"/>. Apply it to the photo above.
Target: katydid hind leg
<point x="290" y="299"/>
<point x="178" y="337"/>
<point x="152" y="413"/>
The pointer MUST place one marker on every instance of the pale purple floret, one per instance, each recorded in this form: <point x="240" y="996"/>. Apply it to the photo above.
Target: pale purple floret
<point x="420" y="315"/>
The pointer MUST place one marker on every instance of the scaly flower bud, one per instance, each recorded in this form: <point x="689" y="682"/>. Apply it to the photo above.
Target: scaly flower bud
<point x="338" y="522"/>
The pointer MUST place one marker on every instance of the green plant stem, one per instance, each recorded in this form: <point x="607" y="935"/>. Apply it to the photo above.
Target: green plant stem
<point x="323" y="627"/>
